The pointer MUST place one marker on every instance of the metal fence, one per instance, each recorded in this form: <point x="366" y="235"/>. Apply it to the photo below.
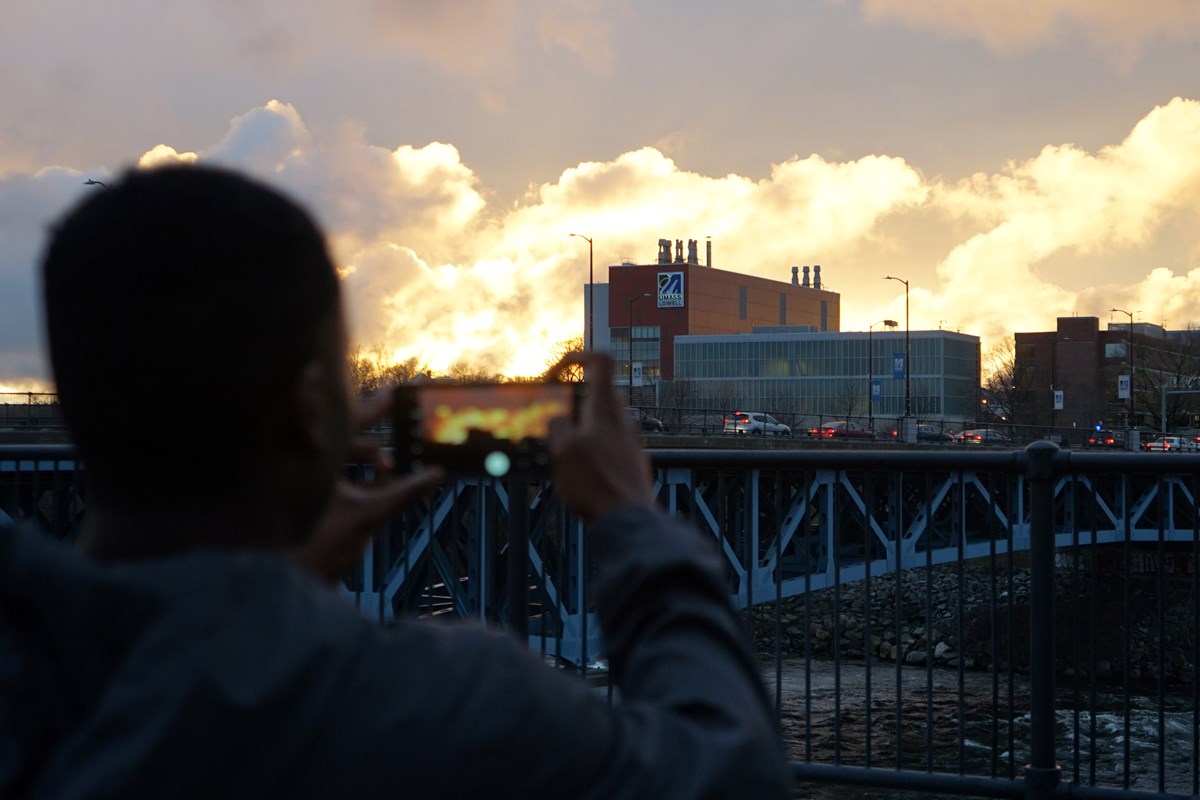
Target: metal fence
<point x="986" y="623"/>
<point x="23" y="410"/>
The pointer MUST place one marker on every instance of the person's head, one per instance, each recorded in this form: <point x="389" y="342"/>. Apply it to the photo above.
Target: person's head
<point x="196" y="338"/>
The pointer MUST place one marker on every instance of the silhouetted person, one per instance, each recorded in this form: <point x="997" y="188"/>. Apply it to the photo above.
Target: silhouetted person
<point x="195" y="649"/>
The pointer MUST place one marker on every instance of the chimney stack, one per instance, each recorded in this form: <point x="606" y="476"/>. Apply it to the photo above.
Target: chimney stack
<point x="664" y="251"/>
<point x="805" y="282"/>
<point x="817" y="276"/>
<point x="795" y="276"/>
<point x="708" y="252"/>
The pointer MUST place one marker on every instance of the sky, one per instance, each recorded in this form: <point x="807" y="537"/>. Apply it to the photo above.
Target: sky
<point x="1014" y="161"/>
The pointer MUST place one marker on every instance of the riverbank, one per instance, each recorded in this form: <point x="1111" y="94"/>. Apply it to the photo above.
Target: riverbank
<point x="1106" y="629"/>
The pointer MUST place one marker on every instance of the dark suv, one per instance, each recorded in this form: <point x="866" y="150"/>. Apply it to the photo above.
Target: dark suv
<point x="1112" y="439"/>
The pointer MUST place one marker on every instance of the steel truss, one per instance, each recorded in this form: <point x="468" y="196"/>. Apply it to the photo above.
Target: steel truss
<point x="783" y="529"/>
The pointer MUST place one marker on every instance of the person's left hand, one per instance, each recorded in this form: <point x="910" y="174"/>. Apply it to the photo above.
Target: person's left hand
<point x="358" y="510"/>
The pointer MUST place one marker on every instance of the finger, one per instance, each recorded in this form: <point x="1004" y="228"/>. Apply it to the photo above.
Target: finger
<point x="374" y="504"/>
<point x="566" y="362"/>
<point x="375" y="408"/>
<point x="560" y="435"/>
<point x="603" y="406"/>
<point x="367" y="453"/>
<point x="386" y="499"/>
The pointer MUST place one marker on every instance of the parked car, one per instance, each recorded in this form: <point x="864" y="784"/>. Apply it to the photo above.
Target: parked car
<point x="983" y="436"/>
<point x="1172" y="444"/>
<point x="1114" y="439"/>
<point x="932" y="433"/>
<point x="842" y="429"/>
<point x="646" y="422"/>
<point x="755" y="422"/>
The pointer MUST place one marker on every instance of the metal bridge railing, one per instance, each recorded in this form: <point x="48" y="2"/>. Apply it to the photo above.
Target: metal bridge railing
<point x="985" y="623"/>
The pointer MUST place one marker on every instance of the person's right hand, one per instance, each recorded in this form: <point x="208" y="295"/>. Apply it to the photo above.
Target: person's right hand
<point x="599" y="464"/>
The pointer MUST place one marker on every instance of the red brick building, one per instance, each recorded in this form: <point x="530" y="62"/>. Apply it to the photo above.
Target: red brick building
<point x="679" y="296"/>
<point x="1084" y="363"/>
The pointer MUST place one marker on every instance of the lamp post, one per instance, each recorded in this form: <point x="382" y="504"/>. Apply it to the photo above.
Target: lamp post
<point x="633" y="300"/>
<point x="907" y="353"/>
<point x="1132" y="408"/>
<point x="591" y="308"/>
<point x="891" y="323"/>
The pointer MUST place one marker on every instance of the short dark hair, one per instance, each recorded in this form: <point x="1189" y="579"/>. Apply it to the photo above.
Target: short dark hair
<point x="180" y="304"/>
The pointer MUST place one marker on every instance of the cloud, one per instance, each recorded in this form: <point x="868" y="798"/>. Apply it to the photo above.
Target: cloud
<point x="583" y="27"/>
<point x="434" y="268"/>
<point x="1066" y="200"/>
<point x="1117" y="28"/>
<point x="470" y="37"/>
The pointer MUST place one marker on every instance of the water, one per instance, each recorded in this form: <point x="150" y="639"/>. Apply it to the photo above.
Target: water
<point x="851" y="716"/>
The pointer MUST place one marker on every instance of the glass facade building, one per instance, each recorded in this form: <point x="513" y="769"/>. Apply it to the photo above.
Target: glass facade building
<point x="824" y="374"/>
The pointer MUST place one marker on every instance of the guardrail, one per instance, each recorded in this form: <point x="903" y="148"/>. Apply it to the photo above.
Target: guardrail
<point x="954" y="621"/>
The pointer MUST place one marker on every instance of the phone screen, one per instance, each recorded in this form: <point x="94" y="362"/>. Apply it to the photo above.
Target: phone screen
<point x="479" y="429"/>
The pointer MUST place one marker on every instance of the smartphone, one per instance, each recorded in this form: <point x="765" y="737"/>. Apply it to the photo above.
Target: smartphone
<point x="480" y="429"/>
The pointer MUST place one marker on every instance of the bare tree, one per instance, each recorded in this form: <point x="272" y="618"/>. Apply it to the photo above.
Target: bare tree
<point x="1007" y="387"/>
<point x="561" y="350"/>
<point x="678" y="399"/>
<point x="1174" y="366"/>
<point x="462" y="372"/>
<point x="849" y="398"/>
<point x="371" y="370"/>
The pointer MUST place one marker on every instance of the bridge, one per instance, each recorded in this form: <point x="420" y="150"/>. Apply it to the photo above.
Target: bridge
<point x="798" y="528"/>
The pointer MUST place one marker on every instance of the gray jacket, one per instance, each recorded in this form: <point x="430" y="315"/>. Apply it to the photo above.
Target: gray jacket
<point x="222" y="674"/>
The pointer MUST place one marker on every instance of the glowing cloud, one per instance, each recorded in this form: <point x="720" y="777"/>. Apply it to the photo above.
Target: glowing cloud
<point x="1009" y="27"/>
<point x="433" y="269"/>
<point x="1067" y="200"/>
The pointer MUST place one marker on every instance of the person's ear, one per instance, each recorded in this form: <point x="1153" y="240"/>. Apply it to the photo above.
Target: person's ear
<point x="312" y="425"/>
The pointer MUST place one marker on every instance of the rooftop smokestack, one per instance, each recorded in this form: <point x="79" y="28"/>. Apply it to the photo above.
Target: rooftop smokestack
<point x="693" y="258"/>
<point x="664" y="251"/>
<point x="817" y="276"/>
<point x="805" y="282"/>
<point x="795" y="276"/>
<point x="679" y="251"/>
<point x="708" y="252"/>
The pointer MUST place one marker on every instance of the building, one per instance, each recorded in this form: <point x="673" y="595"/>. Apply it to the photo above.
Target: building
<point x="1078" y="376"/>
<point x="821" y="375"/>
<point x="650" y="305"/>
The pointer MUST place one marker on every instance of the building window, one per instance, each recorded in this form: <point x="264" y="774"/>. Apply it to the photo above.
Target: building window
<point x="741" y="302"/>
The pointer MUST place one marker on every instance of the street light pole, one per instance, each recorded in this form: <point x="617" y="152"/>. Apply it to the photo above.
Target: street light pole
<point x="891" y="323"/>
<point x="591" y="308"/>
<point x="1132" y="407"/>
<point x="907" y="351"/>
<point x="632" y="300"/>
